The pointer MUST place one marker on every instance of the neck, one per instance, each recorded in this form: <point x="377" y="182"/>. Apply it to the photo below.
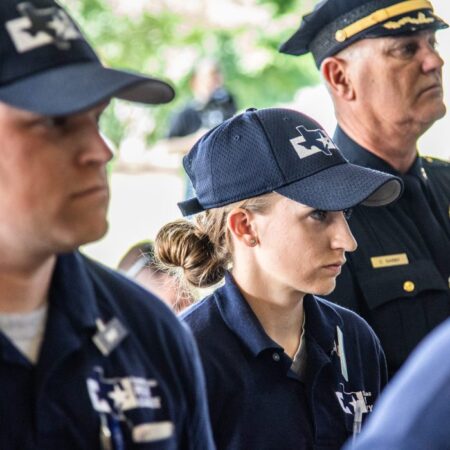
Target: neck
<point x="24" y="287"/>
<point x="394" y="143"/>
<point x="280" y="311"/>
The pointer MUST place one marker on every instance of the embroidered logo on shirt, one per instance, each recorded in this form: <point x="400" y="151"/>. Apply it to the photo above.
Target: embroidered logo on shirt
<point x="39" y="27"/>
<point x="351" y="401"/>
<point x="117" y="395"/>
<point x="311" y="141"/>
<point x="114" y="397"/>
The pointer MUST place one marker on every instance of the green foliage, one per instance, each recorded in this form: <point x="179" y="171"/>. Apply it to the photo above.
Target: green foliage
<point x="155" y="43"/>
<point x="281" y="6"/>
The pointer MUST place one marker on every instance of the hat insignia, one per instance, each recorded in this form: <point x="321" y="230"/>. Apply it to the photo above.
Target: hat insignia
<point x="39" y="27"/>
<point x="312" y="141"/>
<point x="421" y="19"/>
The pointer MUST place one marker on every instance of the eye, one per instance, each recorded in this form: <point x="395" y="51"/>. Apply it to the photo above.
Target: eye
<point x="348" y="213"/>
<point x="319" y="215"/>
<point x="409" y="49"/>
<point x="56" y="122"/>
<point x="405" y="50"/>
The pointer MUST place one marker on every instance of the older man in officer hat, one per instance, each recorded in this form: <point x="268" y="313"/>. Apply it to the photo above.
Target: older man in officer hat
<point x="88" y="359"/>
<point x="381" y="66"/>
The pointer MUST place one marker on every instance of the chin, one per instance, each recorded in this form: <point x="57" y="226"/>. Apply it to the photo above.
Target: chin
<point x="434" y="114"/>
<point x="95" y="233"/>
<point x="72" y="240"/>
<point x="326" y="289"/>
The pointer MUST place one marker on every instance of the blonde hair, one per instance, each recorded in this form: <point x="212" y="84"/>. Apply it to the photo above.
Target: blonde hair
<point x="201" y="250"/>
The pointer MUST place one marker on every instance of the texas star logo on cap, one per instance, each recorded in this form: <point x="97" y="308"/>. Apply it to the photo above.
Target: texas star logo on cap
<point x="39" y="27"/>
<point x="312" y="141"/>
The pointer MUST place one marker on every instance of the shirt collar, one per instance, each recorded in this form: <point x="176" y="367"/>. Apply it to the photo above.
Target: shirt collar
<point x="72" y="291"/>
<point x="71" y="296"/>
<point x="362" y="157"/>
<point x="240" y="318"/>
<point x="418" y="170"/>
<point x="358" y="155"/>
<point x="321" y="320"/>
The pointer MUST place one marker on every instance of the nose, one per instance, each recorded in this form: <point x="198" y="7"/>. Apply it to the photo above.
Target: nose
<point x="432" y="60"/>
<point x="94" y="150"/>
<point x="342" y="237"/>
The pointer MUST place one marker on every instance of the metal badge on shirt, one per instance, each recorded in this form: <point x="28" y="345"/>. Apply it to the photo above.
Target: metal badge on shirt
<point x="109" y="336"/>
<point x="398" y="259"/>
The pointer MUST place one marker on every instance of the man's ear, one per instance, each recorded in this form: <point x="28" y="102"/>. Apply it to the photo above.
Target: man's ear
<point x="242" y="227"/>
<point x="335" y="72"/>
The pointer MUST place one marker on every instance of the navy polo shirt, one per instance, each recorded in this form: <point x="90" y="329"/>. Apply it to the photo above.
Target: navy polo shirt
<point x="398" y="278"/>
<point x="256" y="401"/>
<point x="148" y="391"/>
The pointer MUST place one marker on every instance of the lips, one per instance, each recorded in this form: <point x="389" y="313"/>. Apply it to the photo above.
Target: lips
<point x="435" y="86"/>
<point x="94" y="190"/>
<point x="335" y="267"/>
<point x="337" y="263"/>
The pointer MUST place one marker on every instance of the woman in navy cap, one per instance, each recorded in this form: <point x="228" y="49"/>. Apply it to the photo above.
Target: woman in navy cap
<point x="285" y="369"/>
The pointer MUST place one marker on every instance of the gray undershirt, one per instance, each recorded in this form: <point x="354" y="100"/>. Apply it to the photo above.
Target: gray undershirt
<point x="26" y="331"/>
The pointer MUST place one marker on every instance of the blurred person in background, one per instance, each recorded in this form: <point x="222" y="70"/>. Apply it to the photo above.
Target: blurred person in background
<point x="284" y="368"/>
<point x="211" y="104"/>
<point x="89" y="360"/>
<point x="382" y="68"/>
<point x="139" y="264"/>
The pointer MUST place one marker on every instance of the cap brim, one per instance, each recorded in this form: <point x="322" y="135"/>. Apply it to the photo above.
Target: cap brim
<point x="297" y="44"/>
<point x="77" y="87"/>
<point x="344" y="186"/>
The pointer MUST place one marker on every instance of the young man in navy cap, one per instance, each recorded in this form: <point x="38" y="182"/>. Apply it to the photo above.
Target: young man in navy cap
<point x="382" y="69"/>
<point x="88" y="360"/>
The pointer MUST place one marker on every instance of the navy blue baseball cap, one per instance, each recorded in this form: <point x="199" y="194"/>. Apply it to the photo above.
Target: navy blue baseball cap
<point x="284" y="151"/>
<point x="47" y="66"/>
<point x="335" y="24"/>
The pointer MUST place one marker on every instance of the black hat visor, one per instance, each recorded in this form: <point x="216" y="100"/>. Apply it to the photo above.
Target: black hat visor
<point x="344" y="186"/>
<point x="73" y="88"/>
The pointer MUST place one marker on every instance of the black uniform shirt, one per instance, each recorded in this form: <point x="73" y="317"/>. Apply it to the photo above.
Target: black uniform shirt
<point x="398" y="278"/>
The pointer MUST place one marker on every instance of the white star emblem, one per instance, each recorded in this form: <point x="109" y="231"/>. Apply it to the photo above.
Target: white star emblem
<point x="120" y="397"/>
<point x="326" y="141"/>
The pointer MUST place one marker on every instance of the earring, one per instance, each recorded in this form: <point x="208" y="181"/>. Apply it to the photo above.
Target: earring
<point x="252" y="242"/>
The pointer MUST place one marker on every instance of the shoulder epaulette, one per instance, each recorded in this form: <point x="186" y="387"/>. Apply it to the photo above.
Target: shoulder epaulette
<point x="431" y="161"/>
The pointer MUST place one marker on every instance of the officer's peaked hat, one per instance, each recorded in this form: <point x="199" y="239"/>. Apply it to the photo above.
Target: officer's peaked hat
<point x="47" y="67"/>
<point x="335" y="24"/>
<point x="284" y="151"/>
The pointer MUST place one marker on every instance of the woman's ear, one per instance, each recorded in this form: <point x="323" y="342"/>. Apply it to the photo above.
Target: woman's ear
<point x="242" y="227"/>
<point x="335" y="72"/>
